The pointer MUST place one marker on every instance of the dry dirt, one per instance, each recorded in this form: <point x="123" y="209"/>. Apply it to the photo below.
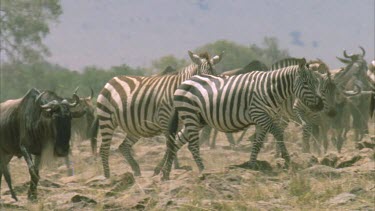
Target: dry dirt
<point x="306" y="185"/>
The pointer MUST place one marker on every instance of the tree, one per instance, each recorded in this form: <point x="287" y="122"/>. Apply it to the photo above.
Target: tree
<point x="23" y="25"/>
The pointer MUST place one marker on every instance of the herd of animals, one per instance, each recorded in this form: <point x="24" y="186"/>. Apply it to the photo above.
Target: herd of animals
<point x="181" y="103"/>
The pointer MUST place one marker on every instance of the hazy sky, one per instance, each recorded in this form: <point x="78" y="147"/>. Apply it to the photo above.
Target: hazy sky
<point x="112" y="32"/>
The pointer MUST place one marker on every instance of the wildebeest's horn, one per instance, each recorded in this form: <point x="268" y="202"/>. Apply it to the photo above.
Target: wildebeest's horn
<point x="49" y="105"/>
<point x="76" y="100"/>
<point x="91" y="94"/>
<point x="346" y="55"/>
<point x="37" y="99"/>
<point x="363" y="51"/>
<point x="353" y="93"/>
<point x="76" y="90"/>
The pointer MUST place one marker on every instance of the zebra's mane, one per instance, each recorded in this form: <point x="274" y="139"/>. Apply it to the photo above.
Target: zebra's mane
<point x="319" y="66"/>
<point x="287" y="62"/>
<point x="168" y="71"/>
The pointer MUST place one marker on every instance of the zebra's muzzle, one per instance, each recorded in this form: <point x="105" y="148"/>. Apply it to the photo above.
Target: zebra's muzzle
<point x="319" y="106"/>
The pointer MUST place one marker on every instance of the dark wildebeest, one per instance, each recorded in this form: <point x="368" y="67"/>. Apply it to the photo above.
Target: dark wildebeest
<point x="357" y="107"/>
<point x="81" y="126"/>
<point x="31" y="125"/>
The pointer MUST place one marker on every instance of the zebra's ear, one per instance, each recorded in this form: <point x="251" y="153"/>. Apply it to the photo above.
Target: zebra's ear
<point x="195" y="58"/>
<point x="216" y="59"/>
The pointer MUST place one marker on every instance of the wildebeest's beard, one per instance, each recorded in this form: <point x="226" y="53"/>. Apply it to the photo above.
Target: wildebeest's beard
<point x="62" y="127"/>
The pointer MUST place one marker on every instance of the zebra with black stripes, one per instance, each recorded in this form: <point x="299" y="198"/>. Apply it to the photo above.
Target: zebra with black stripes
<point x="141" y="106"/>
<point x="231" y="104"/>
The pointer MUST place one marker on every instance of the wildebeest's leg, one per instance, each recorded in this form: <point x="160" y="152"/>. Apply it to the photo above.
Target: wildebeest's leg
<point x="4" y="160"/>
<point x="32" y="193"/>
<point x="69" y="165"/>
<point x="125" y="149"/>
<point x="29" y="161"/>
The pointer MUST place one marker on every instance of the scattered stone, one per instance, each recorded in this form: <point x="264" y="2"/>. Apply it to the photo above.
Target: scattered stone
<point x="260" y="165"/>
<point x="127" y="181"/>
<point x="330" y="160"/>
<point x="144" y="204"/>
<point x="341" y="199"/>
<point x="85" y="199"/>
<point x="350" y="162"/>
<point x="356" y="190"/>
<point x="365" y="144"/>
<point x="303" y="160"/>
<point x="323" y="171"/>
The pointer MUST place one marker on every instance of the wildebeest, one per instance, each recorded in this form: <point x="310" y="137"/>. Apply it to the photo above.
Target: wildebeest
<point x="30" y="125"/>
<point x="354" y="74"/>
<point x="81" y="126"/>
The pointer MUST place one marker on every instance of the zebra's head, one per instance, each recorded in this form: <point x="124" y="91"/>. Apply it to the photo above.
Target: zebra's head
<point x="306" y="87"/>
<point x="326" y="86"/>
<point x="205" y="63"/>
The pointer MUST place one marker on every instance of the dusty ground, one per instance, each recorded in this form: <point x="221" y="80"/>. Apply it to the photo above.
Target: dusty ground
<point x="305" y="186"/>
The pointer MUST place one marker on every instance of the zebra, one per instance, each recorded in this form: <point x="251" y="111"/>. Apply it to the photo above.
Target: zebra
<point x="300" y="113"/>
<point x="141" y="106"/>
<point x="206" y="131"/>
<point x="231" y="104"/>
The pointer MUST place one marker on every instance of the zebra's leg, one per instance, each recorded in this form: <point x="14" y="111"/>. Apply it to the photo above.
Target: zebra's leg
<point x="106" y="128"/>
<point x="173" y="145"/>
<point x="32" y="193"/>
<point x="306" y="133"/>
<point x="126" y="150"/>
<point x="257" y="145"/>
<point x="278" y="134"/>
<point x="214" y="137"/>
<point x="230" y="138"/>
<point x="241" y="136"/>
<point x="194" y="149"/>
<point x="205" y="135"/>
<point x="4" y="170"/>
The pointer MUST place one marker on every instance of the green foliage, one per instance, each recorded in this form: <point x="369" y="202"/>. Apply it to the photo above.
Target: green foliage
<point x="23" y="24"/>
<point x="169" y="60"/>
<point x="299" y="185"/>
<point x="16" y="79"/>
<point x="236" y="55"/>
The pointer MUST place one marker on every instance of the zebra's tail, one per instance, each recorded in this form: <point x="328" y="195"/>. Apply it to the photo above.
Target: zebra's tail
<point x="93" y="133"/>
<point x="172" y="130"/>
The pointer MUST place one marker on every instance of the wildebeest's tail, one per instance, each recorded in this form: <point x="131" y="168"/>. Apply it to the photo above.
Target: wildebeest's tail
<point x="93" y="133"/>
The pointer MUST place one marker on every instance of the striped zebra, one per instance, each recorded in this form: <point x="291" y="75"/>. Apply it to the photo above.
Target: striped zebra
<point x="206" y="131"/>
<point x="311" y="121"/>
<point x="297" y="111"/>
<point x="141" y="106"/>
<point x="230" y="104"/>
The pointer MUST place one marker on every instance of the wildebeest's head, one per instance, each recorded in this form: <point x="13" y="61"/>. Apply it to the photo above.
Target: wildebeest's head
<point x="48" y="118"/>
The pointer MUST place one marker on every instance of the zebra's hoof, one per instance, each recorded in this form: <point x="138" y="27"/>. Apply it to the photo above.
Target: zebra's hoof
<point x="187" y="168"/>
